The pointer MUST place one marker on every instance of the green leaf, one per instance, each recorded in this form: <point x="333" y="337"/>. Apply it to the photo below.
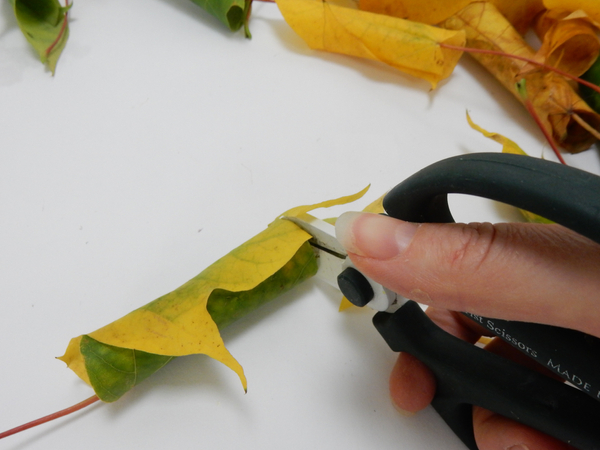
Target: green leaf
<point x="590" y="96"/>
<point x="114" y="370"/>
<point x="233" y="13"/>
<point x="44" y="24"/>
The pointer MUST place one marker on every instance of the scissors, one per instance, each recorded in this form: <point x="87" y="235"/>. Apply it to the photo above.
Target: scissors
<point x="465" y="374"/>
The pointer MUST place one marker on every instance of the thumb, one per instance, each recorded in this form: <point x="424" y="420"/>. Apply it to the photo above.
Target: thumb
<point x="526" y="272"/>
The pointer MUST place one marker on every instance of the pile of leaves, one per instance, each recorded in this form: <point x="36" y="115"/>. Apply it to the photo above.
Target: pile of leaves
<point x="423" y="38"/>
<point x="426" y="39"/>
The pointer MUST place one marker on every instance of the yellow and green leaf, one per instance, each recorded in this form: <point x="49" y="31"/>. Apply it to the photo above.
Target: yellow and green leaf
<point x="44" y="24"/>
<point x="411" y="47"/>
<point x="186" y="321"/>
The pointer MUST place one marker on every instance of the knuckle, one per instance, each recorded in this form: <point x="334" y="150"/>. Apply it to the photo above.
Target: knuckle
<point x="477" y="244"/>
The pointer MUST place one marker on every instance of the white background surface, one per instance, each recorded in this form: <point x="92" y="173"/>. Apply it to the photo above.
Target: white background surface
<point x="163" y="142"/>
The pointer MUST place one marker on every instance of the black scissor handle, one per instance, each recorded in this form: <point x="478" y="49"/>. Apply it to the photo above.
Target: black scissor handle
<point x="467" y="375"/>
<point x="565" y="195"/>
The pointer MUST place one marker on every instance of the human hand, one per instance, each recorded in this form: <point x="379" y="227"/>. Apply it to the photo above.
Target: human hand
<point x="526" y="272"/>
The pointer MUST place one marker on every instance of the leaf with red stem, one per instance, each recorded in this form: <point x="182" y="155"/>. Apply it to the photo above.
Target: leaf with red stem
<point x="521" y="88"/>
<point x="44" y="24"/>
<point x="558" y="106"/>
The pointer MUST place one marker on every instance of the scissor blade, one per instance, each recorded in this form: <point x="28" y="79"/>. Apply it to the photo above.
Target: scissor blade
<point x="329" y="251"/>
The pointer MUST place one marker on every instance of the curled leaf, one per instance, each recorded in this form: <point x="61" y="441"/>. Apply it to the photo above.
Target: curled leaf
<point x="432" y="12"/>
<point x="408" y="46"/>
<point x="424" y="11"/>
<point x="591" y="7"/>
<point x="558" y="106"/>
<point x="519" y="13"/>
<point x="233" y="13"/>
<point x="569" y="41"/>
<point x="44" y="24"/>
<point x="186" y="321"/>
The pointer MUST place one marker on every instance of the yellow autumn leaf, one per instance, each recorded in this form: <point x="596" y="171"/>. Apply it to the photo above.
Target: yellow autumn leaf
<point x="432" y="12"/>
<point x="425" y="11"/>
<point x="558" y="106"/>
<point x="408" y="46"/>
<point x="569" y="40"/>
<point x="591" y="7"/>
<point x="508" y="146"/>
<point x="179" y="323"/>
<point x="519" y="13"/>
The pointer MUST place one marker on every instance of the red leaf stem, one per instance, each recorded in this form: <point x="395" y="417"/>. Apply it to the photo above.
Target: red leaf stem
<point x="61" y="32"/>
<point x="48" y="418"/>
<point x="522" y="58"/>
<point x="546" y="133"/>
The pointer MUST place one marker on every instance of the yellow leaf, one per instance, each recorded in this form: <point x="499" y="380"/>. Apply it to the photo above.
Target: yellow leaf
<point x="509" y="146"/>
<point x="424" y="11"/>
<point x="558" y="106"/>
<point x="179" y="323"/>
<point x="408" y="46"/>
<point x="375" y="207"/>
<point x="591" y="7"/>
<point x="569" y="41"/>
<point x="345" y="304"/>
<point x="519" y="13"/>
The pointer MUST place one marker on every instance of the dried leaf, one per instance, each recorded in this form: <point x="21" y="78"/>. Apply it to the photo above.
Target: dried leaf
<point x="592" y="97"/>
<point x="408" y="46"/>
<point x="509" y="146"/>
<point x="432" y="12"/>
<point x="591" y="7"/>
<point x="569" y="41"/>
<point x="45" y="25"/>
<point x="559" y="107"/>
<point x="425" y="11"/>
<point x="519" y="13"/>
<point x="186" y="321"/>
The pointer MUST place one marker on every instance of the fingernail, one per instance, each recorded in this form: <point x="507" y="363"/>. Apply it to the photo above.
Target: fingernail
<point x="518" y="447"/>
<point x="374" y="235"/>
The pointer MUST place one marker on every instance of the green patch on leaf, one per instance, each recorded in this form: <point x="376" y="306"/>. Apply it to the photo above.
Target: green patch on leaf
<point x="233" y="13"/>
<point x="44" y="24"/>
<point x="590" y="96"/>
<point x="114" y="370"/>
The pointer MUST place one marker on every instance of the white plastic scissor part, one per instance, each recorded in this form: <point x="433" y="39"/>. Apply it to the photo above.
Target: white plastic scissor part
<point x="333" y="260"/>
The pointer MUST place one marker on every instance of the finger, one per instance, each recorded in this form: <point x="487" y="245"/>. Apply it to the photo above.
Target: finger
<point x="495" y="432"/>
<point x="527" y="272"/>
<point x="412" y="385"/>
